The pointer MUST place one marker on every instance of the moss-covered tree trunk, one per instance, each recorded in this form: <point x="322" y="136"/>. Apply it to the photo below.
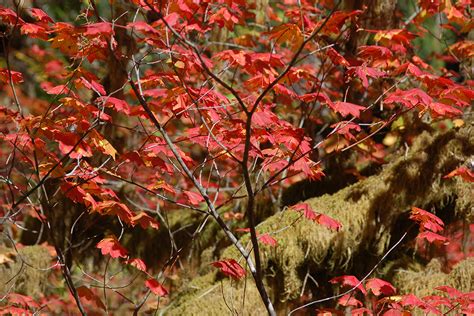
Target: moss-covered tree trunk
<point x="374" y="214"/>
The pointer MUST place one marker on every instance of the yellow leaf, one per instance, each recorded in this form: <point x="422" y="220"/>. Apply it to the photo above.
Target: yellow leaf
<point x="108" y="148"/>
<point x="458" y="122"/>
<point x="390" y="139"/>
<point x="103" y="144"/>
<point x="179" y="64"/>
<point x="289" y="33"/>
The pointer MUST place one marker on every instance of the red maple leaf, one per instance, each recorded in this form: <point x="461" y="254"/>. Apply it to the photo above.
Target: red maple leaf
<point x="40" y="15"/>
<point x="452" y="292"/>
<point x="60" y="89"/>
<point x="337" y="58"/>
<point x="77" y="194"/>
<point x="268" y="240"/>
<point x="349" y="300"/>
<point x="306" y="209"/>
<point x="444" y="110"/>
<point x="288" y="32"/>
<point x="319" y="218"/>
<point x="101" y="28"/>
<point x="137" y="263"/>
<point x="413" y="300"/>
<point x="117" y="104"/>
<point x="362" y="72"/>
<point x="20" y="299"/>
<point x="9" y="16"/>
<point x="34" y="31"/>
<point x="264" y="238"/>
<point x="143" y="27"/>
<point x="111" y="246"/>
<point x="317" y="96"/>
<point x="350" y="281"/>
<point x="432" y="237"/>
<point x="156" y="287"/>
<point x="427" y="220"/>
<point x="464" y="172"/>
<point x="224" y="17"/>
<point x="115" y="208"/>
<point x="409" y="98"/>
<point x="379" y="287"/>
<point x="375" y="52"/>
<point x="393" y="37"/>
<point x="329" y="222"/>
<point x="91" y="85"/>
<point x="346" y="108"/>
<point x="264" y="118"/>
<point x="231" y="268"/>
<point x="337" y="20"/>
<point x="145" y="221"/>
<point x="193" y="197"/>
<point x="234" y="57"/>
<point x="362" y="312"/>
<point x="5" y="74"/>
<point x="344" y="128"/>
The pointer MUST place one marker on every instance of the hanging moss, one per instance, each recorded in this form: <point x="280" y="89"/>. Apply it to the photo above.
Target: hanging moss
<point x="212" y="295"/>
<point x="464" y="199"/>
<point x="27" y="273"/>
<point x="423" y="282"/>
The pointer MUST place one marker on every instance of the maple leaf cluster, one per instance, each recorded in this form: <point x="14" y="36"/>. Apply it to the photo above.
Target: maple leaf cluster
<point x="380" y="298"/>
<point x="430" y="225"/>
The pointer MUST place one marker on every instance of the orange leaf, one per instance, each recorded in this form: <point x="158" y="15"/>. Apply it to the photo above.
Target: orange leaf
<point x="465" y="173"/>
<point x="34" y="31"/>
<point x="289" y="33"/>
<point x="87" y="294"/>
<point x="137" y="263"/>
<point x="145" y="221"/>
<point x="115" y="208"/>
<point x="103" y="144"/>
<point x="111" y="246"/>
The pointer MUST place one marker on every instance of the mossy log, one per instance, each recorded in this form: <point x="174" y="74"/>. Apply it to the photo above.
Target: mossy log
<point x="370" y="212"/>
<point x="25" y="270"/>
<point x="423" y="282"/>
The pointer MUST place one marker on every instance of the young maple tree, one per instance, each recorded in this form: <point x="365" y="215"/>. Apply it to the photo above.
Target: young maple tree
<point x="126" y="113"/>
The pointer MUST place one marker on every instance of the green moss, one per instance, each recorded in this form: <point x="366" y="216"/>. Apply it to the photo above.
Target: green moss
<point x="423" y="282"/>
<point x="211" y="295"/>
<point x="464" y="199"/>
<point x="27" y="273"/>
